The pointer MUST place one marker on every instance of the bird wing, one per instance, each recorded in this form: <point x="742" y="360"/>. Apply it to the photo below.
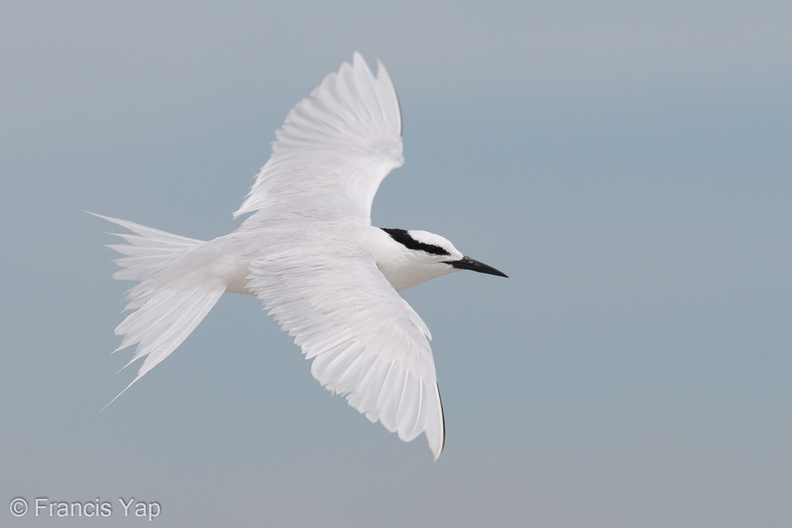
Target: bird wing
<point x="333" y="151"/>
<point x="365" y="341"/>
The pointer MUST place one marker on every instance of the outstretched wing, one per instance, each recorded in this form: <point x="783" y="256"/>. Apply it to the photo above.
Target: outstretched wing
<point x="333" y="151"/>
<point x="365" y="341"/>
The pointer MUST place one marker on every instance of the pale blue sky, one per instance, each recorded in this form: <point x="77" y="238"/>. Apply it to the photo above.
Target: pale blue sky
<point x="627" y="164"/>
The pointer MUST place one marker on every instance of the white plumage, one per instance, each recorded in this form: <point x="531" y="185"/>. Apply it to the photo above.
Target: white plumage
<point x="310" y="254"/>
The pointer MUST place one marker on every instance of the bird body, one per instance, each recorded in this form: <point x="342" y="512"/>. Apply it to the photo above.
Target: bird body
<point x="309" y="252"/>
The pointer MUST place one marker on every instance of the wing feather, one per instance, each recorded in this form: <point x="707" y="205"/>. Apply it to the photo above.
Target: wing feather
<point x="333" y="150"/>
<point x="366" y="343"/>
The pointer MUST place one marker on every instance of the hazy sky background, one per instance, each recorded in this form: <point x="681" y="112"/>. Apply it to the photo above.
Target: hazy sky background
<point x="628" y="164"/>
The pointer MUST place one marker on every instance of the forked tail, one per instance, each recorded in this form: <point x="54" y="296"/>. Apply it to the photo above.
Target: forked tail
<point x="176" y="290"/>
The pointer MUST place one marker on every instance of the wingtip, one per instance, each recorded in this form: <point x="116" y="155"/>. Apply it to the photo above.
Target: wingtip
<point x="437" y="449"/>
<point x="358" y="57"/>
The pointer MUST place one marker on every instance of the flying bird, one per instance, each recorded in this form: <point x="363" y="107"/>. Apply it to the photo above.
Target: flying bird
<point x="309" y="252"/>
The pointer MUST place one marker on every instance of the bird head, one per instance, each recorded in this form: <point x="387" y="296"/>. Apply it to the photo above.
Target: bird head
<point x="422" y="255"/>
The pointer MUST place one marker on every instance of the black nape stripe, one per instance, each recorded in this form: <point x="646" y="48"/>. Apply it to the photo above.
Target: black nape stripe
<point x="403" y="237"/>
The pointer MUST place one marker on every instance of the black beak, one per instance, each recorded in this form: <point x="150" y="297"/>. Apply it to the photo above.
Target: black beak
<point x="474" y="265"/>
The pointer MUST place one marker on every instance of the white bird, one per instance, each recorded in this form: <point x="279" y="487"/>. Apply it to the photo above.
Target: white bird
<point x="311" y="255"/>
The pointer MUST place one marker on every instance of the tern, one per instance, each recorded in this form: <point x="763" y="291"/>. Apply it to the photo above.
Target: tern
<point x="309" y="252"/>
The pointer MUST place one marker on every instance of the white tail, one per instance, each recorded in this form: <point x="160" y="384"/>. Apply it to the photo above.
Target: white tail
<point x="177" y="288"/>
